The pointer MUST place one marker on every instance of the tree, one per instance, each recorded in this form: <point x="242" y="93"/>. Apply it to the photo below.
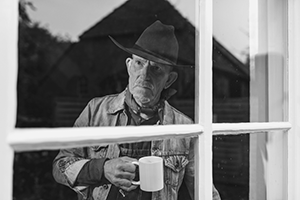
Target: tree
<point x="38" y="51"/>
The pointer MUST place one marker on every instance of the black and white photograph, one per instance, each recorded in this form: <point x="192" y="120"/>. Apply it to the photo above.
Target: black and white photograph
<point x="150" y="99"/>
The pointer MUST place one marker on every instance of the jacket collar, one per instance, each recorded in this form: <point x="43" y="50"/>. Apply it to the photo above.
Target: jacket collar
<point x="168" y="114"/>
<point x="117" y="104"/>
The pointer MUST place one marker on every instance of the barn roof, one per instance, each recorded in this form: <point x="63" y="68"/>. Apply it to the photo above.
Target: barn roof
<point x="134" y="16"/>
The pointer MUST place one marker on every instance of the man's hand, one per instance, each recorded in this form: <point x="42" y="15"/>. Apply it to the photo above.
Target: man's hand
<point x="120" y="172"/>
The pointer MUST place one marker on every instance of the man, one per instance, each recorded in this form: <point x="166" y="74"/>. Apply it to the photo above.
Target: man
<point x="106" y="171"/>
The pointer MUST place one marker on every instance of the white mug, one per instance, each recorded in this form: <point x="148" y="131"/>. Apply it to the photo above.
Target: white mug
<point x="151" y="173"/>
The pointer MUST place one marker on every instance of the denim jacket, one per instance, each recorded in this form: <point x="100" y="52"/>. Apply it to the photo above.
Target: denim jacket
<point x="177" y="153"/>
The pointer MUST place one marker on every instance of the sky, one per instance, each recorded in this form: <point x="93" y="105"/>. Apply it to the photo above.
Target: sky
<point x="231" y="25"/>
<point x="70" y="18"/>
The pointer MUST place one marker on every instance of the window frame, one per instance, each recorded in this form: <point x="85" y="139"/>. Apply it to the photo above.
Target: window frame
<point x="13" y="139"/>
<point x="293" y="139"/>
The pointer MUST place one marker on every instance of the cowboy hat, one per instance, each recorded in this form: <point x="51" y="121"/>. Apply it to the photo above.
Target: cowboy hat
<point x="157" y="43"/>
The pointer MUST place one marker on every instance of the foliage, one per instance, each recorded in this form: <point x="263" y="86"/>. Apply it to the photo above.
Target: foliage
<point x="38" y="51"/>
<point x="23" y="16"/>
<point x="32" y="179"/>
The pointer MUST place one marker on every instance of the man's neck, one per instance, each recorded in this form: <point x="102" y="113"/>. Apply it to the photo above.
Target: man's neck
<point x="148" y="105"/>
<point x="144" y="110"/>
<point x="147" y="111"/>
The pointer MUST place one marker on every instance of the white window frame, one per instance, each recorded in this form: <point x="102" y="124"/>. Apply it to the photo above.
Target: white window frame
<point x="13" y="139"/>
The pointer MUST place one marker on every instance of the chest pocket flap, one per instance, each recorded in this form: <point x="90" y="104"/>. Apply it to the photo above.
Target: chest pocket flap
<point x="176" y="162"/>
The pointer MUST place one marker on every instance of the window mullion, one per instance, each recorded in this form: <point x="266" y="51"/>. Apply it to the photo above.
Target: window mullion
<point x="8" y="80"/>
<point x="267" y="98"/>
<point x="293" y="139"/>
<point x="203" y="147"/>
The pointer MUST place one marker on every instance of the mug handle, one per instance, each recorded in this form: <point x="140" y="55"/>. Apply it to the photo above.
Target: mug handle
<point x="135" y="182"/>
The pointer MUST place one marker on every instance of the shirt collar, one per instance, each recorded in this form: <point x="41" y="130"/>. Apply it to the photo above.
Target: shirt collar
<point x="118" y="103"/>
<point x="131" y="103"/>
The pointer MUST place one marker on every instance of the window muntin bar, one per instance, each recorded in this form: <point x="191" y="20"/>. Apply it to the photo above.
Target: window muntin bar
<point x="30" y="139"/>
<point x="240" y="128"/>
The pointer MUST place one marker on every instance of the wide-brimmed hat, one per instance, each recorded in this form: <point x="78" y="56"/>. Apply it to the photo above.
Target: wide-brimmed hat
<point x="157" y="43"/>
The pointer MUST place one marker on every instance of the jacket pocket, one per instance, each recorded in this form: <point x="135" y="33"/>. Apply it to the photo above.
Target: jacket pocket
<point x="174" y="169"/>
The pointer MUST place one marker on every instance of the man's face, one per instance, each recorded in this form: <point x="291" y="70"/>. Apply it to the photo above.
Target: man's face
<point x="147" y="79"/>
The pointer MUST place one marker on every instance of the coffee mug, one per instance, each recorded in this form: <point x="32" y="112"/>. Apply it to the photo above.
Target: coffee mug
<point x="151" y="173"/>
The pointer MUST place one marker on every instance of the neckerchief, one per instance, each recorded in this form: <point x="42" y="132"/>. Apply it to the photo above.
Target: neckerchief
<point x="149" y="111"/>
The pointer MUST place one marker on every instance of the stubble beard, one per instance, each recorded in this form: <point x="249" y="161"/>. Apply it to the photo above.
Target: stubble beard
<point x="141" y="99"/>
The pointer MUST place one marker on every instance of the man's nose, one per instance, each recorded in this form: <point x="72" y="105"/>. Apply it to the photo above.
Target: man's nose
<point x="146" y="69"/>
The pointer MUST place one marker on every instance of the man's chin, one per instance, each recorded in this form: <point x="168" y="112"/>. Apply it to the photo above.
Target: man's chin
<point x="143" y="92"/>
<point x="142" y="100"/>
<point x="143" y="88"/>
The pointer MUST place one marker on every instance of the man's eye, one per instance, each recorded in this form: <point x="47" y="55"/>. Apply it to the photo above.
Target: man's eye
<point x="138" y="62"/>
<point x="156" y="68"/>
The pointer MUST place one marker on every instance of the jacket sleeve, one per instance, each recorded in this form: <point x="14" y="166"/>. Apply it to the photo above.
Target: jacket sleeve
<point x="69" y="162"/>
<point x="216" y="195"/>
<point x="92" y="173"/>
<point x="66" y="167"/>
<point x="80" y="168"/>
<point x="190" y="174"/>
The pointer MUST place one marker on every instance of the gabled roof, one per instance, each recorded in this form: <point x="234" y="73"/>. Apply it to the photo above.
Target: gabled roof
<point x="229" y="64"/>
<point x="134" y="16"/>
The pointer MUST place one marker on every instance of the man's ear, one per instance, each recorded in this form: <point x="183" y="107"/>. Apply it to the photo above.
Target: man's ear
<point x="172" y="78"/>
<point x="128" y="63"/>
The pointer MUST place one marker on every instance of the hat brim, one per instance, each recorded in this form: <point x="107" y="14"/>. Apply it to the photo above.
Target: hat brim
<point x="136" y="50"/>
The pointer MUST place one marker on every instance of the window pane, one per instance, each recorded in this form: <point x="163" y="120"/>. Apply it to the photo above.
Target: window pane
<point x="268" y="165"/>
<point x="250" y="44"/>
<point x="268" y="61"/>
<point x="231" y="166"/>
<point x="67" y="59"/>
<point x="250" y="166"/>
<point x="231" y="61"/>
<point x="32" y="178"/>
<point x="68" y="173"/>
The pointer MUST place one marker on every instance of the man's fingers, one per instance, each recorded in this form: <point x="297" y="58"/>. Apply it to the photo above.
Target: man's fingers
<point x="126" y="175"/>
<point x="128" y="189"/>
<point x="127" y="167"/>
<point x="128" y="159"/>
<point x="122" y="183"/>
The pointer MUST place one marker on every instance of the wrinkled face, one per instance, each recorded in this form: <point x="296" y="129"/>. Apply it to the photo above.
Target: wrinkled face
<point x="147" y="79"/>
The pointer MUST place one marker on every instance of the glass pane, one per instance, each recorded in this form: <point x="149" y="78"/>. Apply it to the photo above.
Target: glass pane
<point x="67" y="58"/>
<point x="250" y="166"/>
<point x="33" y="180"/>
<point x="231" y="166"/>
<point x="250" y="44"/>
<point x="81" y="172"/>
<point x="268" y="61"/>
<point x="231" y="61"/>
